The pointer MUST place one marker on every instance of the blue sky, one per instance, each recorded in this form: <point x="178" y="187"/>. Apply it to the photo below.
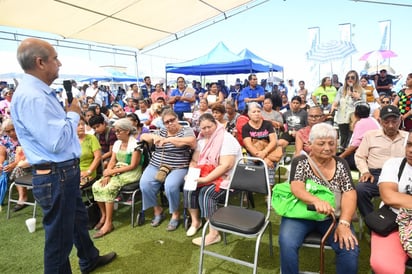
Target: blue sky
<point x="278" y="31"/>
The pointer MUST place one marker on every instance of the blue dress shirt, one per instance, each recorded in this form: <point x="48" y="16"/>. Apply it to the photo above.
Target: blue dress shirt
<point x="46" y="132"/>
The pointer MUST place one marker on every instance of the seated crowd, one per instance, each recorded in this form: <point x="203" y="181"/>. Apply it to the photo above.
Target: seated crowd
<point x="338" y="127"/>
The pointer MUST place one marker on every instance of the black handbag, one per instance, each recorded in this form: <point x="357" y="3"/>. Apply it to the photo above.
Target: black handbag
<point x="383" y="220"/>
<point x="93" y="212"/>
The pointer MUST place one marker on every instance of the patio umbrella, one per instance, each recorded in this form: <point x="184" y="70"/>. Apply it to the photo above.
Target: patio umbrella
<point x="374" y="69"/>
<point x="331" y="51"/>
<point x="378" y="55"/>
<point x="3" y="184"/>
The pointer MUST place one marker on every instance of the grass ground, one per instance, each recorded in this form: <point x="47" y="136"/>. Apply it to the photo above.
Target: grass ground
<point x="148" y="250"/>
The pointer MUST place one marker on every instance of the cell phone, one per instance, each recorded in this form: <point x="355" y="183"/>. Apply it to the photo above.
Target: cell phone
<point x="67" y="84"/>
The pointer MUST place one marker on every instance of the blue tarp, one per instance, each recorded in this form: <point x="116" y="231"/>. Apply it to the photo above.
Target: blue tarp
<point x="247" y="54"/>
<point x="220" y="60"/>
<point x="115" y="76"/>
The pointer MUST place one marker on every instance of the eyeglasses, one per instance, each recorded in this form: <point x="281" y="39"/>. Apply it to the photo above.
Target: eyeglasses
<point x="351" y="77"/>
<point x="170" y="121"/>
<point x="385" y="102"/>
<point x="315" y="116"/>
<point x="118" y="131"/>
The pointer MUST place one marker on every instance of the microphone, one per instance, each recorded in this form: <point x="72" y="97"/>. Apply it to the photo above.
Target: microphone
<point x="68" y="87"/>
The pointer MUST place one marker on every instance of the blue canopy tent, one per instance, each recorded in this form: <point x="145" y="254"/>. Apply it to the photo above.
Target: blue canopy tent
<point x="247" y="54"/>
<point x="220" y="60"/>
<point x="114" y="76"/>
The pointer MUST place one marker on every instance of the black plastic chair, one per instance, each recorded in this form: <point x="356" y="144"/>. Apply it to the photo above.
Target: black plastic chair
<point x="250" y="174"/>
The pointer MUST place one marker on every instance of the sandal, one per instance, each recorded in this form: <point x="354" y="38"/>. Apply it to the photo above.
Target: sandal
<point x="100" y="233"/>
<point x="173" y="224"/>
<point x="158" y="219"/>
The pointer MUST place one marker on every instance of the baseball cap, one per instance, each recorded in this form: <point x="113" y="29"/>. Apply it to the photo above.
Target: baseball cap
<point x="388" y="111"/>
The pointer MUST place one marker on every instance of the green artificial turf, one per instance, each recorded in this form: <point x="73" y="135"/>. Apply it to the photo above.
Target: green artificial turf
<point x="144" y="249"/>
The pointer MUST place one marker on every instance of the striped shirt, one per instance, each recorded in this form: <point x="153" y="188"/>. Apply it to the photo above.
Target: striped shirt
<point x="169" y="154"/>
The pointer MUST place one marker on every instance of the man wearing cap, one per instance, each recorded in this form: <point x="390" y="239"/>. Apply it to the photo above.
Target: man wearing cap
<point x="383" y="83"/>
<point x="376" y="147"/>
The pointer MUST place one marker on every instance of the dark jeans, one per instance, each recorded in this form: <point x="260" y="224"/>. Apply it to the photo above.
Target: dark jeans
<point x="64" y="219"/>
<point x="345" y="134"/>
<point x="293" y="232"/>
<point x="366" y="191"/>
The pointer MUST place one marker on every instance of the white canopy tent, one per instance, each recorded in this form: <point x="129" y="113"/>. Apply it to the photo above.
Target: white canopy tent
<point x="134" y="23"/>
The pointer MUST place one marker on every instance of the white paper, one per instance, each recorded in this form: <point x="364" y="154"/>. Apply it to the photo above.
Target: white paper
<point x="192" y="175"/>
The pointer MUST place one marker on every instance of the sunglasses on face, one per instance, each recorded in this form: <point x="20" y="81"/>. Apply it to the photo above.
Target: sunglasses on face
<point x="350" y="77"/>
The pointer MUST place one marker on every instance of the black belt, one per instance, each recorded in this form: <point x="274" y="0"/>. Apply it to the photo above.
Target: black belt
<point x="52" y="165"/>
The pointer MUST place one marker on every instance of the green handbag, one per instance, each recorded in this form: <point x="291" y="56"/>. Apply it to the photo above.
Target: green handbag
<point x="287" y="205"/>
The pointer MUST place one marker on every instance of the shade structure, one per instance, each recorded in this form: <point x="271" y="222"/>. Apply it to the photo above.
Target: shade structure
<point x="380" y="54"/>
<point x="122" y="22"/>
<point x="247" y="54"/>
<point x="220" y="60"/>
<point x="114" y="76"/>
<point x="331" y="51"/>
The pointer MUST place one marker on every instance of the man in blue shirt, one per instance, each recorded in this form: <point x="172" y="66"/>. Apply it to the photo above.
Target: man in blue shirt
<point x="48" y="135"/>
<point x="147" y="88"/>
<point x="251" y="93"/>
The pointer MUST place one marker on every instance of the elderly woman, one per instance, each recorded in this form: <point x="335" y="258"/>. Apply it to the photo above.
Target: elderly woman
<point x="173" y="151"/>
<point x="91" y="154"/>
<point x="259" y="137"/>
<point x="322" y="140"/>
<point x="348" y="96"/>
<point x="124" y="168"/>
<point x="387" y="253"/>
<point x="216" y="154"/>
<point x="8" y="152"/>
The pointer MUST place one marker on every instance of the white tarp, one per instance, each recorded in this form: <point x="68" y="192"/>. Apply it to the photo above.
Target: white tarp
<point x="135" y="23"/>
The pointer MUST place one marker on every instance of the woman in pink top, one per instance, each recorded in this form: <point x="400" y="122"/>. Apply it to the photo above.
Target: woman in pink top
<point x="158" y="93"/>
<point x="364" y="124"/>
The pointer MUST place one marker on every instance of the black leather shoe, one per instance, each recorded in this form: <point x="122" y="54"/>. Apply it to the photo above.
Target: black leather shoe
<point x="101" y="261"/>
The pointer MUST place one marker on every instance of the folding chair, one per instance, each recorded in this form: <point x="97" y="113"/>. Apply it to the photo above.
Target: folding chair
<point x="250" y="175"/>
<point x="23" y="181"/>
<point x="316" y="240"/>
<point x="133" y="188"/>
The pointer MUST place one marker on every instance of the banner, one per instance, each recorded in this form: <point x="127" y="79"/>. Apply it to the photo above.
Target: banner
<point x="385" y="32"/>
